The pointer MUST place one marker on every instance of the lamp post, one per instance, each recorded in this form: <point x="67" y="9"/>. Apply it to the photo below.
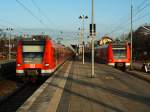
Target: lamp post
<point x="79" y="45"/>
<point x="92" y="41"/>
<point x="82" y="17"/>
<point x="131" y="62"/>
<point x="9" y="29"/>
<point x="80" y="41"/>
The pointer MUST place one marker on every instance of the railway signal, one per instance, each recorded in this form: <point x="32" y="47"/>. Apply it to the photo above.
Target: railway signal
<point x="92" y="29"/>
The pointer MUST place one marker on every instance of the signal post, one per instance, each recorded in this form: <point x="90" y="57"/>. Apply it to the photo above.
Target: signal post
<point x="92" y="34"/>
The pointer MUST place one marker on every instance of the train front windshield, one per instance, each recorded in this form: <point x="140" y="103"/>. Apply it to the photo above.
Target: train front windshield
<point x="33" y="52"/>
<point x="119" y="53"/>
<point x="32" y="57"/>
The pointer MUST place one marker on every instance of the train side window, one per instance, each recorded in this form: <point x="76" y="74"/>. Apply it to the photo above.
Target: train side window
<point x="56" y="53"/>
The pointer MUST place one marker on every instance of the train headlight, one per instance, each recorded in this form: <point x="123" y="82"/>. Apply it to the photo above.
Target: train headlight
<point x="46" y="64"/>
<point x="18" y="65"/>
<point x="110" y="60"/>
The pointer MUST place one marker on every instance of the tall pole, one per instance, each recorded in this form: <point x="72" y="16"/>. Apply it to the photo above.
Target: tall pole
<point x="9" y="46"/>
<point x="83" y="38"/>
<point x="9" y="54"/>
<point x="92" y="74"/>
<point x="82" y="17"/>
<point x="80" y="43"/>
<point x="131" y="62"/>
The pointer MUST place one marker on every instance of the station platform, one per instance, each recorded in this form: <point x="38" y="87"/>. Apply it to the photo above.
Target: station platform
<point x="137" y="65"/>
<point x="71" y="89"/>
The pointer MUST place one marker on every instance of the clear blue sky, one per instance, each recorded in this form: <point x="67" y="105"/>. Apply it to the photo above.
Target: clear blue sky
<point x="63" y="15"/>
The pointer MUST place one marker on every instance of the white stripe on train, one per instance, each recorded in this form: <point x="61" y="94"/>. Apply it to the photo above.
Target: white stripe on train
<point x="113" y="64"/>
<point x="19" y="71"/>
<point x="47" y="71"/>
<point x="42" y="71"/>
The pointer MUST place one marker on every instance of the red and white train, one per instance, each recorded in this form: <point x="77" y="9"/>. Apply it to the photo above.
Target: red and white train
<point x="114" y="54"/>
<point x="39" y="56"/>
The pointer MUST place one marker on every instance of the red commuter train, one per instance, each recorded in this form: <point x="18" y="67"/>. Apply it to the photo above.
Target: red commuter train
<point x="39" y="56"/>
<point x="114" y="54"/>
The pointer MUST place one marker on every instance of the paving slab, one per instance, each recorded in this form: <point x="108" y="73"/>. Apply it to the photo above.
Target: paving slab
<point x="110" y="91"/>
<point x="73" y="90"/>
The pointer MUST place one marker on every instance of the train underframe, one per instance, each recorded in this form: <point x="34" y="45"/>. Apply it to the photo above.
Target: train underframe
<point x="120" y="65"/>
<point x="33" y="75"/>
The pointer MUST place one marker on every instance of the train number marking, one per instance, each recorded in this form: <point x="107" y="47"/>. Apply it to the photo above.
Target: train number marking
<point x="32" y="65"/>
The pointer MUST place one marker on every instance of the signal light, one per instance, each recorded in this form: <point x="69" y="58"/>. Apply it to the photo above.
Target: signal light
<point x="93" y="29"/>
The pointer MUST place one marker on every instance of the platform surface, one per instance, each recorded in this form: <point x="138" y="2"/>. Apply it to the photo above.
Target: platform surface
<point x="73" y="90"/>
<point x="110" y="91"/>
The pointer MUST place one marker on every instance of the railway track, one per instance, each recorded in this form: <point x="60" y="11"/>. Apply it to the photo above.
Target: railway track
<point x="13" y="102"/>
<point x="138" y="74"/>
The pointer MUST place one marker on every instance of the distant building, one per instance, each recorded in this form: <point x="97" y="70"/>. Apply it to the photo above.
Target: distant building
<point x="105" y="40"/>
<point x="141" y="43"/>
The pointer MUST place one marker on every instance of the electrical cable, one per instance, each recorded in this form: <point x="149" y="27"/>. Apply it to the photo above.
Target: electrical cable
<point x="140" y="9"/>
<point x="41" y="12"/>
<point x="31" y="13"/>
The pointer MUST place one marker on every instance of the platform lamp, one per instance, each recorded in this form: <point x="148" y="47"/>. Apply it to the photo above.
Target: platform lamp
<point x="83" y="17"/>
<point x="9" y="29"/>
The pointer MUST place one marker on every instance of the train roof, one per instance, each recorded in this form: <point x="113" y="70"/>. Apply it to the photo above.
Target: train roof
<point x="40" y="37"/>
<point x="119" y="43"/>
<point x="35" y="40"/>
<point x="114" y="44"/>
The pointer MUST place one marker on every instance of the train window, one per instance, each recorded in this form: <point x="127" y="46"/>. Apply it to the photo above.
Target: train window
<point x="56" y="53"/>
<point x="119" y="53"/>
<point x="33" y="48"/>
<point x="32" y="57"/>
<point x="29" y="42"/>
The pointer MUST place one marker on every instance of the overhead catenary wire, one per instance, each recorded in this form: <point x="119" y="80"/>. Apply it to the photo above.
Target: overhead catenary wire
<point x="139" y="9"/>
<point x="42" y="12"/>
<point x="10" y="24"/>
<point x="32" y="14"/>
<point x="141" y="4"/>
<point x="134" y="20"/>
<point x="141" y="17"/>
<point x="17" y="28"/>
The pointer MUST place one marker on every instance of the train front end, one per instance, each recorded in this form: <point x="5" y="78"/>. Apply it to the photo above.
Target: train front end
<point x="120" y="55"/>
<point x="35" y="57"/>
